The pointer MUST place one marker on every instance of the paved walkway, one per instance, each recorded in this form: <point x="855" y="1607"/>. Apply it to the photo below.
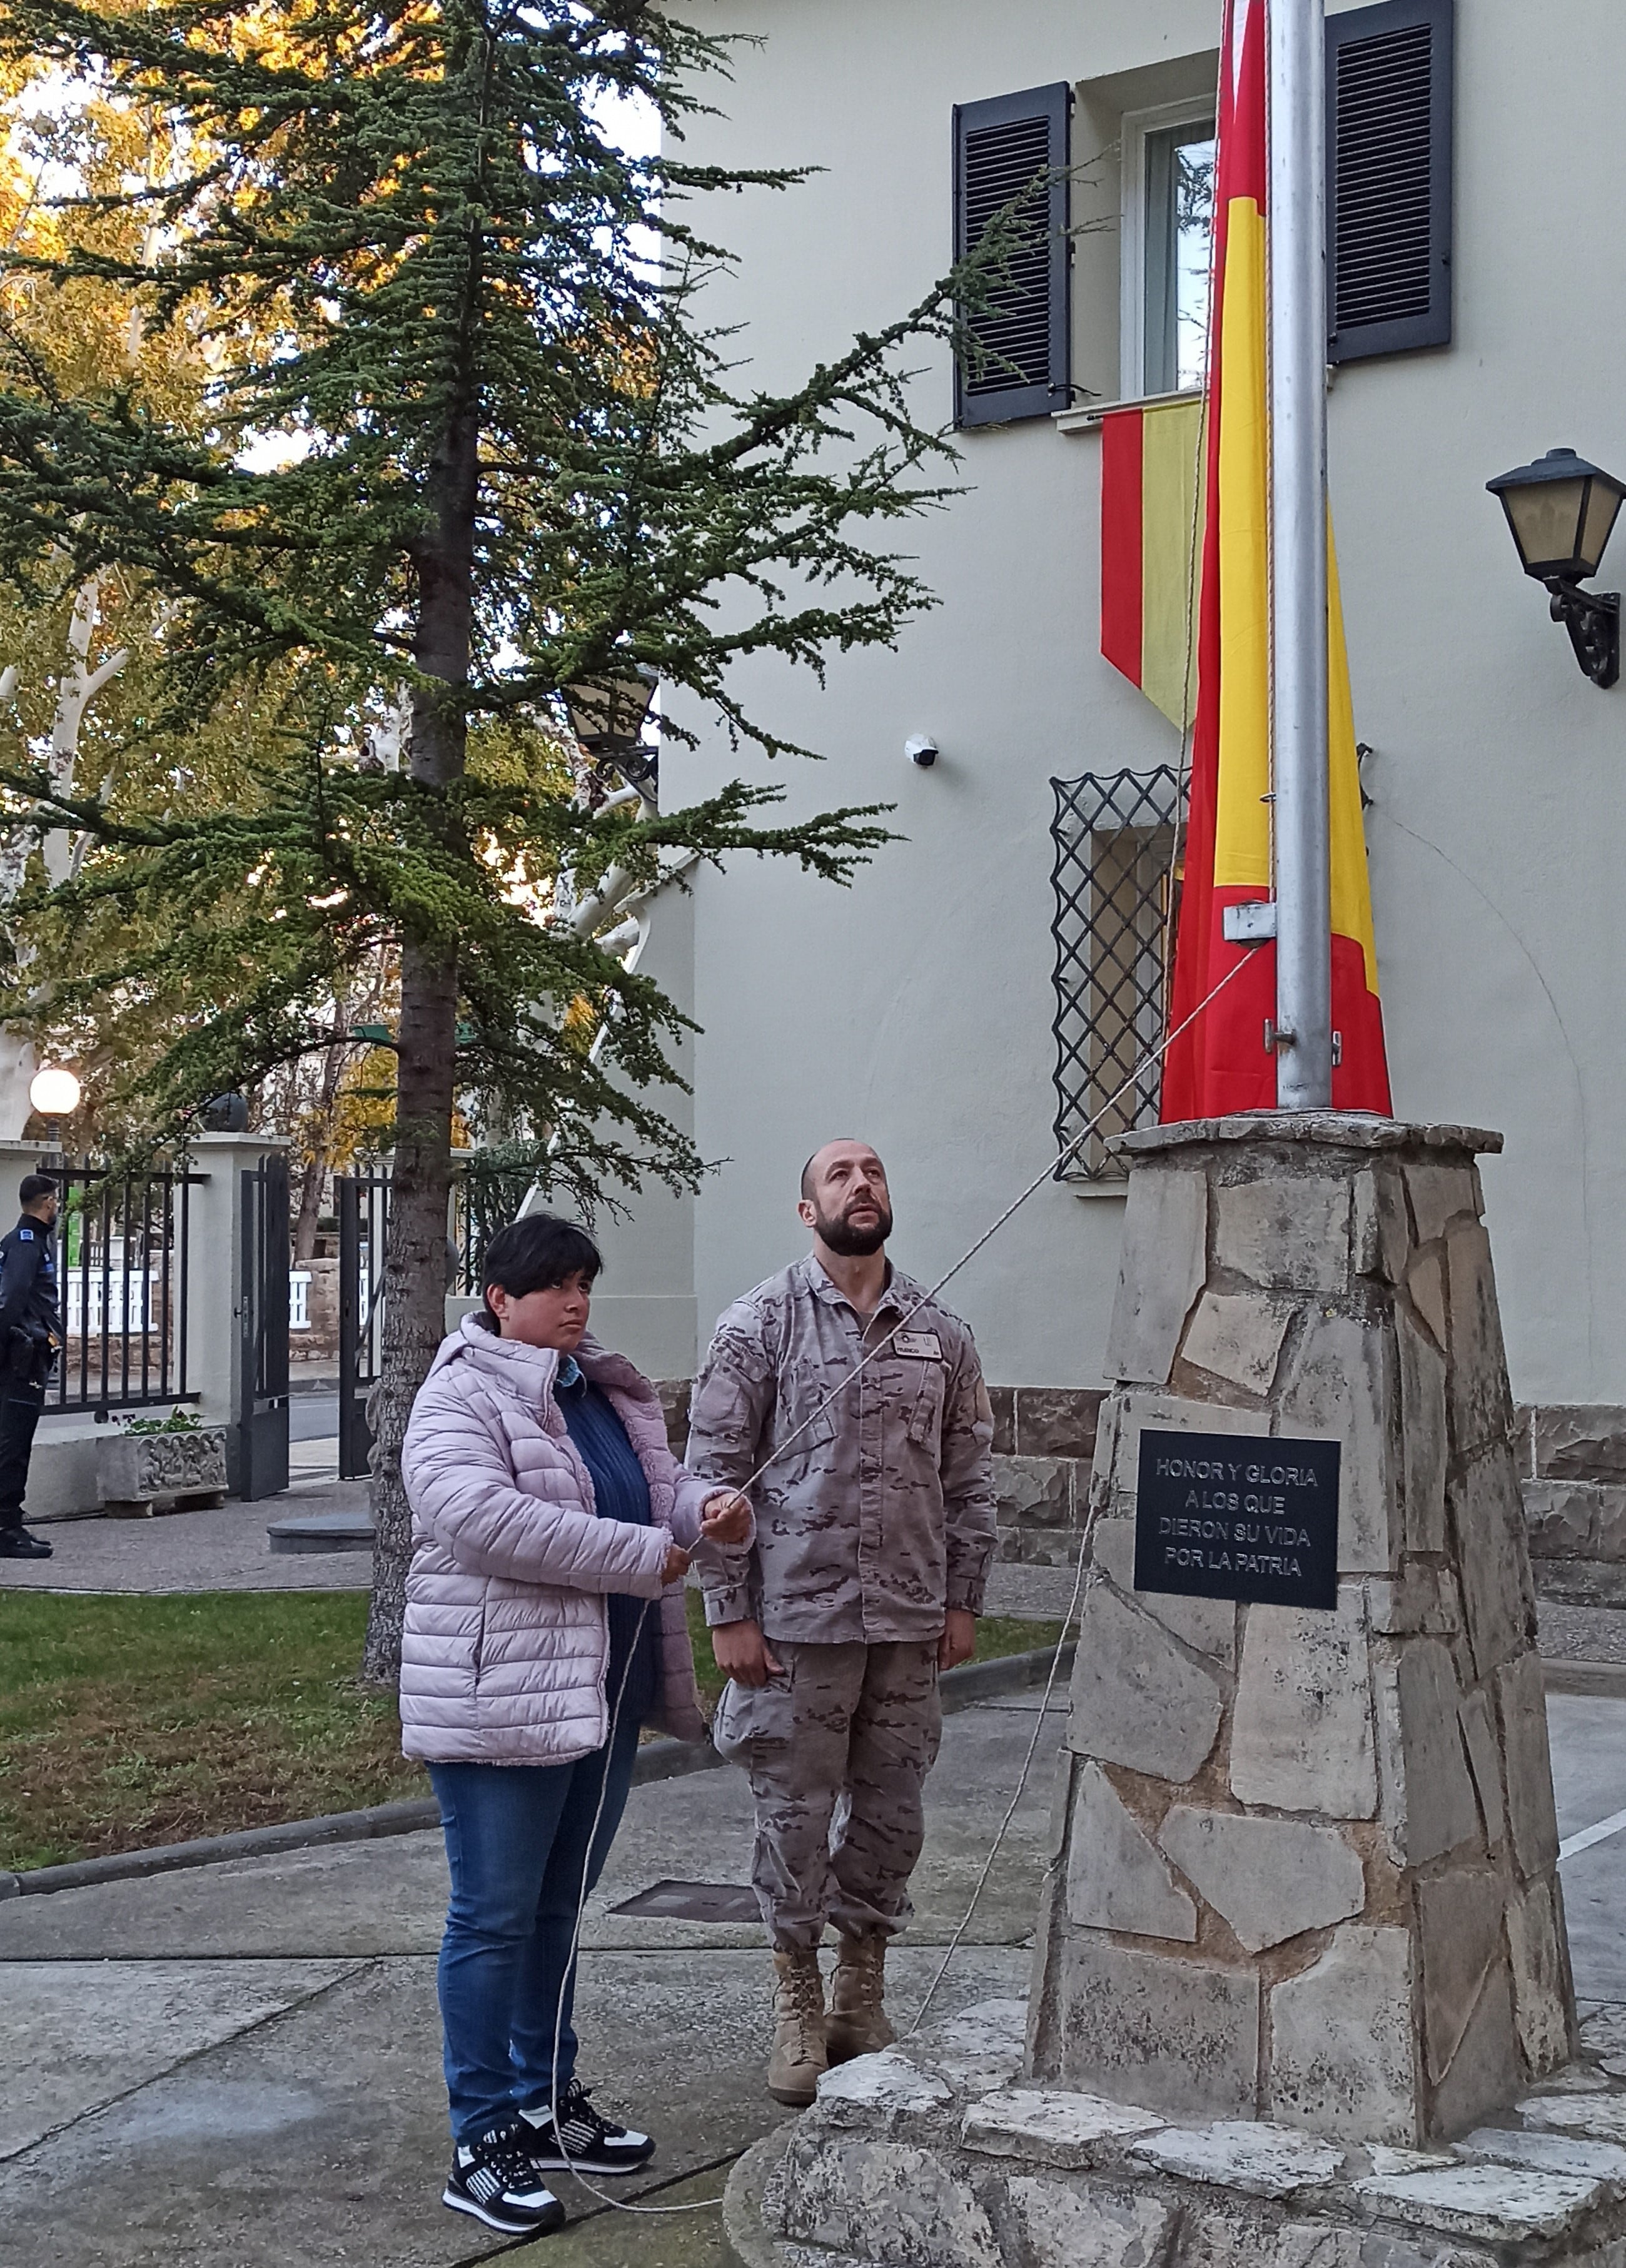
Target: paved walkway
<point x="224" y="1550"/>
<point x="238" y="2066"/>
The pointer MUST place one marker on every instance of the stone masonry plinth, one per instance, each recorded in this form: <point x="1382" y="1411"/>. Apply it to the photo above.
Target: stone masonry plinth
<point x="1307" y="1860"/>
<point x="1301" y="1992"/>
<point x="940" y="2154"/>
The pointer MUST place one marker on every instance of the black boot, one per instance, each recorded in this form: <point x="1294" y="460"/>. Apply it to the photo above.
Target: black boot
<point x="17" y="1543"/>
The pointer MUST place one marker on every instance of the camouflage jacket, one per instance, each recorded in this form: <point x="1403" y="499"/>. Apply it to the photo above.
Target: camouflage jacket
<point x="881" y="1513"/>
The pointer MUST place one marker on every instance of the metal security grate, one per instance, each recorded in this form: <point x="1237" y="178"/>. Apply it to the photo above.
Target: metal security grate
<point x="713" y="1902"/>
<point x="1115" y="840"/>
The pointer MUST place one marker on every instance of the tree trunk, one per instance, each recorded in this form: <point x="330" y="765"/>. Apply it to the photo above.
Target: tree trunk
<point x="415" y="1270"/>
<point x="316" y="1172"/>
<point x="309" y="1208"/>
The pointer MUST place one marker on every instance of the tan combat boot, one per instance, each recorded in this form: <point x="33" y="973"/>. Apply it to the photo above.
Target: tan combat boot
<point x="799" y="2055"/>
<point x="857" y="2022"/>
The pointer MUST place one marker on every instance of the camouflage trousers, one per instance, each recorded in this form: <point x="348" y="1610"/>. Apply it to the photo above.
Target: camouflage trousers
<point x="836" y="1749"/>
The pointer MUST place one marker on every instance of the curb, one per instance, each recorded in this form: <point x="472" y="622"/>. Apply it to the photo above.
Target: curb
<point x="1007" y="1673"/>
<point x="1604" y="1681"/>
<point x="658" y="1760"/>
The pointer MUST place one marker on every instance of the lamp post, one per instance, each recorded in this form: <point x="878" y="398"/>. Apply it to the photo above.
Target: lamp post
<point x="55" y="1094"/>
<point x="1298" y="750"/>
<point x="1562" y="512"/>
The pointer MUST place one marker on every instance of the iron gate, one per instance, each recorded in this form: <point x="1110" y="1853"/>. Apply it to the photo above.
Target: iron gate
<point x="364" y="1231"/>
<point x="262" y="1434"/>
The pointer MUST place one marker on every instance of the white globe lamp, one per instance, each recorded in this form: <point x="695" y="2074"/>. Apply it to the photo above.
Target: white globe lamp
<point x="55" y="1092"/>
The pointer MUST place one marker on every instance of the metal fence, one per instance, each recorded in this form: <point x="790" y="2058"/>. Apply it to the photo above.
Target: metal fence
<point x="259" y="1466"/>
<point x="1113" y="872"/>
<point x="121" y="1259"/>
<point x="364" y="1232"/>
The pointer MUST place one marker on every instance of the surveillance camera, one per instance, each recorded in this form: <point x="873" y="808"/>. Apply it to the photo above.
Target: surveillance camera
<point x="922" y="750"/>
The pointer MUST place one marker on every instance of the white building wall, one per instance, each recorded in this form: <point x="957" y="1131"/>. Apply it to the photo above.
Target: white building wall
<point x="915" y="1009"/>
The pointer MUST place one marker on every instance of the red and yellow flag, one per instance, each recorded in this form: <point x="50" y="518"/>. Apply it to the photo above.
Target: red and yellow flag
<point x="1222" y="1064"/>
<point x="1152" y="543"/>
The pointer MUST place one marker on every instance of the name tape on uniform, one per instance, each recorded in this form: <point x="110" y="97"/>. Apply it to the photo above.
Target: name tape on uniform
<point x="926" y="1345"/>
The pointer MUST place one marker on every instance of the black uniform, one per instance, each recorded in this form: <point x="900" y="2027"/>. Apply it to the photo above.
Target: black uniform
<point x="31" y="1332"/>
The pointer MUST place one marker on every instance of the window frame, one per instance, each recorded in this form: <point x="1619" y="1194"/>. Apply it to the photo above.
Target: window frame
<point x="1137" y="129"/>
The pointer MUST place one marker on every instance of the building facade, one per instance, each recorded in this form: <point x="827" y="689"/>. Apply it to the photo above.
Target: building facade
<point x="933" y="1007"/>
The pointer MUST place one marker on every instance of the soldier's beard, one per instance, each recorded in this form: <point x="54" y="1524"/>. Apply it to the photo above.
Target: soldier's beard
<point x="839" y="1235"/>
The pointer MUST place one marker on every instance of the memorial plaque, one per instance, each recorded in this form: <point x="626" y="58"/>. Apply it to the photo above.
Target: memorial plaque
<point x="1238" y="1516"/>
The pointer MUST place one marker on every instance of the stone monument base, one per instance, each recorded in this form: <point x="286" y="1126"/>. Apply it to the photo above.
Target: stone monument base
<point x="937" y="2155"/>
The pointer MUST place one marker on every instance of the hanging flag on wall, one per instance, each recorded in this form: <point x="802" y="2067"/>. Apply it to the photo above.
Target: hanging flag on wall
<point x="1151" y="545"/>
<point x="1222" y="1064"/>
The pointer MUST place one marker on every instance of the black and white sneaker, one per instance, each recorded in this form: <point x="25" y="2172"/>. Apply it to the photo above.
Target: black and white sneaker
<point x="583" y="2142"/>
<point x="496" y="2179"/>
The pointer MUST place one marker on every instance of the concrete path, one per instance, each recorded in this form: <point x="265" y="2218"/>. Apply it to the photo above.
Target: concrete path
<point x="224" y="1550"/>
<point x="237" y="2067"/>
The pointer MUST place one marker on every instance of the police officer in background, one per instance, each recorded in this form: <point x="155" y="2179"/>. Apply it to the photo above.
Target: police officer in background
<point x="30" y="1334"/>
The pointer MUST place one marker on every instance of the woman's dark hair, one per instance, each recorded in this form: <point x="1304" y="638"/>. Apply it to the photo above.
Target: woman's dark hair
<point x="535" y="1255"/>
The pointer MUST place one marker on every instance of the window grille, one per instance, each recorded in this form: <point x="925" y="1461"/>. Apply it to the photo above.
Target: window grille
<point x="1113" y="839"/>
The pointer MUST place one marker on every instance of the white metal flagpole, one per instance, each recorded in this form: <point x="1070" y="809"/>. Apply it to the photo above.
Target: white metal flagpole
<point x="1296" y="237"/>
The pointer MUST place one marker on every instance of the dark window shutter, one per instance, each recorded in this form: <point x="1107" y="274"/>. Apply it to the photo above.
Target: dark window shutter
<point x="1388" y="163"/>
<point x="999" y="147"/>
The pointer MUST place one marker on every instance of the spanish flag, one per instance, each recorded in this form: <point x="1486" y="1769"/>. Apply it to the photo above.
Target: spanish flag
<point x="1221" y="1063"/>
<point x="1152" y="543"/>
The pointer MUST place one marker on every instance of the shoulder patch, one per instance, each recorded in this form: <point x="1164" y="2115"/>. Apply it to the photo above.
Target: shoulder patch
<point x="26" y="1235"/>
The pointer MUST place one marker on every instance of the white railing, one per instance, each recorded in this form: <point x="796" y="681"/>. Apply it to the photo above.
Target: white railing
<point x="300" y="1299"/>
<point x="120" y="1304"/>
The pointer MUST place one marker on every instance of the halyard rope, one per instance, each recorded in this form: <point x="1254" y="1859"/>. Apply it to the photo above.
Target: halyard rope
<point x="707" y="2204"/>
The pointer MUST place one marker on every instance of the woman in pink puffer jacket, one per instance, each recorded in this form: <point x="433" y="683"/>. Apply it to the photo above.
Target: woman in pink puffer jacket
<point x="552" y="1529"/>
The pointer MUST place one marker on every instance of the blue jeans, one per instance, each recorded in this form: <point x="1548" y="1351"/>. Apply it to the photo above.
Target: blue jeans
<point x="516" y="1844"/>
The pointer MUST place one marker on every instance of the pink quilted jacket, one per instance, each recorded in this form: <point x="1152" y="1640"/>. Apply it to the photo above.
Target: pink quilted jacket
<point x="506" y="1639"/>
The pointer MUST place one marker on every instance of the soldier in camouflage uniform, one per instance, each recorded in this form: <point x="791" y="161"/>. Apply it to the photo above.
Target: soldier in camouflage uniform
<point x="875" y="1530"/>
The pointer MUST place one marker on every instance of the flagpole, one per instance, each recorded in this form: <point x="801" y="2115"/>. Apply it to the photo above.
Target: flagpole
<point x="1298" y="757"/>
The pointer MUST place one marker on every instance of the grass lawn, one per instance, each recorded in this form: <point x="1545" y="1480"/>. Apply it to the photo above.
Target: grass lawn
<point x="135" y="1721"/>
<point x="129" y="1721"/>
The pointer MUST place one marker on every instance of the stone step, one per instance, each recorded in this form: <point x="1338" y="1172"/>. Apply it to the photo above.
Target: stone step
<point x="321" y="1531"/>
<point x="939" y="2149"/>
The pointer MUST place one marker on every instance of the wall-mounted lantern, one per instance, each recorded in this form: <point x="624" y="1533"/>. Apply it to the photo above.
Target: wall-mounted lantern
<point x="608" y="716"/>
<point x="1562" y="511"/>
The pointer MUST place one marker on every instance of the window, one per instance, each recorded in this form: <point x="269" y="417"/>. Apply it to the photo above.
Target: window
<point x="1018" y="366"/>
<point x="1144" y="154"/>
<point x="1113" y="841"/>
<point x="1167" y="224"/>
<point x="1388" y="188"/>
